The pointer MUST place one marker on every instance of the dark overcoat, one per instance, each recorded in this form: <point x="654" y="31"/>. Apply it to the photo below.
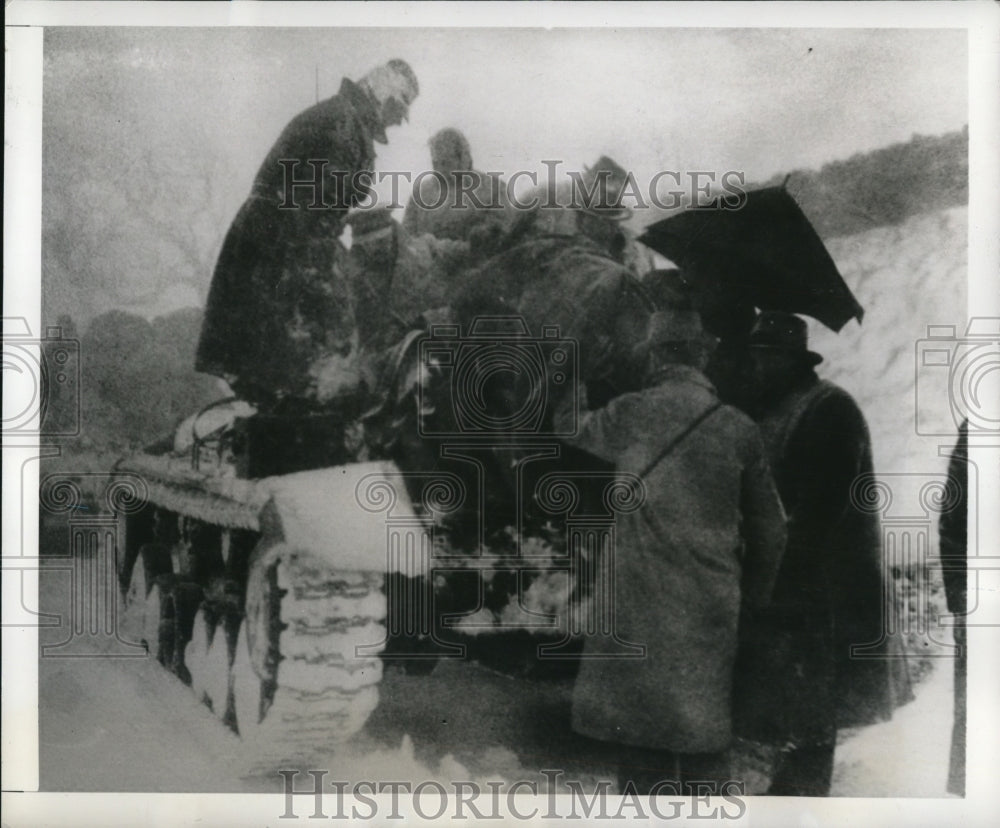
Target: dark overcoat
<point x="280" y="298"/>
<point x="708" y="537"/>
<point x="797" y="679"/>
<point x="954" y="539"/>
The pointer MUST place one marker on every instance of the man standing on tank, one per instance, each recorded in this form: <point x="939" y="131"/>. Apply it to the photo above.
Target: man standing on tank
<point x="280" y="301"/>
<point x="455" y="200"/>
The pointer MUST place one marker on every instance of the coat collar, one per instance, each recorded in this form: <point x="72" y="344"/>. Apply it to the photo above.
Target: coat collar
<point x="681" y="374"/>
<point x="782" y="399"/>
<point x="364" y="105"/>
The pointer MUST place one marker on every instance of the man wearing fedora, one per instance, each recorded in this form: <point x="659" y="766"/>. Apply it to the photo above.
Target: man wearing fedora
<point x="592" y="203"/>
<point x="797" y="679"/>
<point x="707" y="538"/>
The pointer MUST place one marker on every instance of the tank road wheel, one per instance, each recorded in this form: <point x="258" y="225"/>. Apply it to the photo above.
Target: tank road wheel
<point x="152" y="561"/>
<point x="248" y="690"/>
<point x="220" y="660"/>
<point x="300" y="686"/>
<point x="196" y="653"/>
<point x="209" y="654"/>
<point x="135" y="602"/>
<point x="158" y="621"/>
<point x="186" y="598"/>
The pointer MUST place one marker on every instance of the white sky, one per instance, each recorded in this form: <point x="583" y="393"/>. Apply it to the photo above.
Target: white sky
<point x="761" y="101"/>
<point x="758" y="101"/>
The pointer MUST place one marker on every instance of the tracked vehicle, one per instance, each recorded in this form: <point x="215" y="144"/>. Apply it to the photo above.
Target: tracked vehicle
<point x="283" y="561"/>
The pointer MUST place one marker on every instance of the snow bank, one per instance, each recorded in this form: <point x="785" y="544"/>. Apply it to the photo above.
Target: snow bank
<point x="907" y="277"/>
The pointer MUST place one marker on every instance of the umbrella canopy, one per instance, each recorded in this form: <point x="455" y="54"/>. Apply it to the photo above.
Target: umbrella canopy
<point x="765" y="252"/>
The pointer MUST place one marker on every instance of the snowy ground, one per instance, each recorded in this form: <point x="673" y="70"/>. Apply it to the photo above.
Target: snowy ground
<point x="918" y="737"/>
<point x="127" y="725"/>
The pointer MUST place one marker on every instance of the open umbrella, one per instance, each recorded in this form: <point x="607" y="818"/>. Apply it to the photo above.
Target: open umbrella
<point x="764" y="251"/>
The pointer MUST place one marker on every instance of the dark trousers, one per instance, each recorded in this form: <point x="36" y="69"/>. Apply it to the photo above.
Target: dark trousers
<point x="668" y="773"/>
<point x="803" y="771"/>
<point x="956" y="765"/>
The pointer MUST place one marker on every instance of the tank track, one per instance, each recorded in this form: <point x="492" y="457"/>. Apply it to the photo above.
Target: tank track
<point x="306" y="669"/>
<point x="282" y="645"/>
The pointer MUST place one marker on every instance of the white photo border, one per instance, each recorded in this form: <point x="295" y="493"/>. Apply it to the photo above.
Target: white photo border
<point x="22" y="233"/>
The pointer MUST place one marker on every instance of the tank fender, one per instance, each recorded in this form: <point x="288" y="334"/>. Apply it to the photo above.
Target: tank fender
<point x="356" y="517"/>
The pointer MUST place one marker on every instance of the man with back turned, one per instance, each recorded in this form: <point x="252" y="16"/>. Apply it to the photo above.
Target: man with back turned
<point x="707" y="539"/>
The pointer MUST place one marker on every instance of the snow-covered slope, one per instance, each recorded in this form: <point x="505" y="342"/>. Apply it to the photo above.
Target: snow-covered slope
<point x="907" y="277"/>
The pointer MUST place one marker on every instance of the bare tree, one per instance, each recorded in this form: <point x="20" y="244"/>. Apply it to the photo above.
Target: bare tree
<point x="132" y="213"/>
<point x="178" y="194"/>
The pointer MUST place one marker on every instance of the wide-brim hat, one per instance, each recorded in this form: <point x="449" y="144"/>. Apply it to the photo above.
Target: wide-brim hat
<point x="615" y="176"/>
<point x="785" y="332"/>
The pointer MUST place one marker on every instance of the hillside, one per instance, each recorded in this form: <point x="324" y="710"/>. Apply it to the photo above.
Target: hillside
<point x="137" y="379"/>
<point x="884" y="187"/>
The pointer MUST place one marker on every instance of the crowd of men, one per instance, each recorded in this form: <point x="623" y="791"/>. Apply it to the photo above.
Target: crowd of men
<point x="748" y="574"/>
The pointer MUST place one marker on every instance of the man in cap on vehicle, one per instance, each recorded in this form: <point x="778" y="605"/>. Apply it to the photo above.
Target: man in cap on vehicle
<point x="707" y="539"/>
<point x="280" y="302"/>
<point x="797" y="681"/>
<point x="456" y="200"/>
<point x="591" y="203"/>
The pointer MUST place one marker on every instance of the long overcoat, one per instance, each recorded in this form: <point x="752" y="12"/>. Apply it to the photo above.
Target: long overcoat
<point x="708" y="537"/>
<point x="820" y="656"/>
<point x="281" y="298"/>
<point x="954" y="538"/>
